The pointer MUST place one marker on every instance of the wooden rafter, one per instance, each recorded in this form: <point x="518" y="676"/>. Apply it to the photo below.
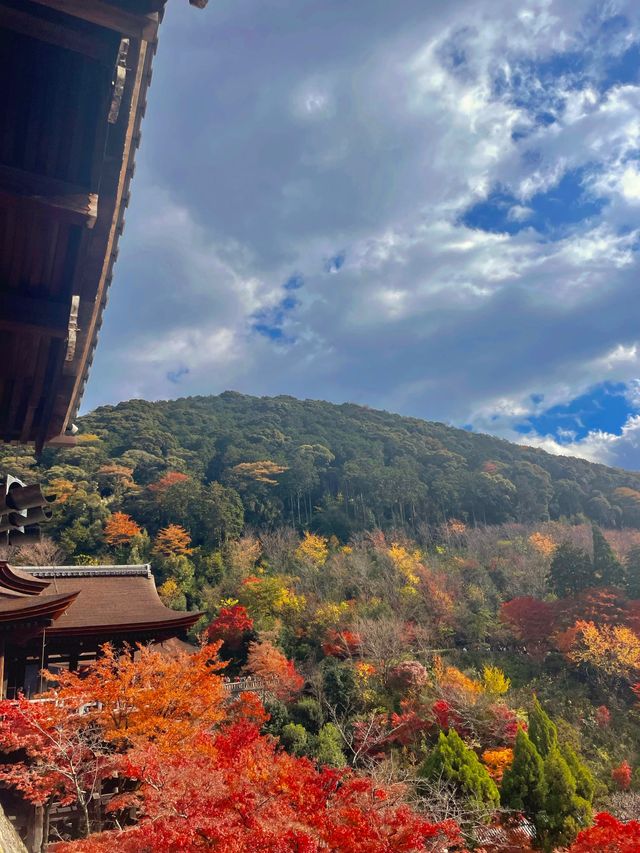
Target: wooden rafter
<point x="28" y="24"/>
<point x="32" y="313"/>
<point x="144" y="27"/>
<point x="61" y="199"/>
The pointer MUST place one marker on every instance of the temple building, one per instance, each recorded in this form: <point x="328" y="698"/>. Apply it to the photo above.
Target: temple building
<point x="54" y="617"/>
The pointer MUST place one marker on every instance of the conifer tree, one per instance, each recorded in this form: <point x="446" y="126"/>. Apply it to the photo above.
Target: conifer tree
<point x="585" y="782"/>
<point x="565" y="813"/>
<point x="571" y="570"/>
<point x="632" y="572"/>
<point x="523" y="786"/>
<point x="542" y="730"/>
<point x="454" y="762"/>
<point x="607" y="568"/>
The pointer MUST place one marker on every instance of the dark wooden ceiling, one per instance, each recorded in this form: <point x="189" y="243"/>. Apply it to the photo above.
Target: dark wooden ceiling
<point x="73" y="81"/>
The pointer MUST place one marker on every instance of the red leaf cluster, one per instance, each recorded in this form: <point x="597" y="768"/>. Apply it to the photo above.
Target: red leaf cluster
<point x="235" y="792"/>
<point x="621" y="775"/>
<point x="232" y="625"/>
<point x="341" y="644"/>
<point x="608" y="835"/>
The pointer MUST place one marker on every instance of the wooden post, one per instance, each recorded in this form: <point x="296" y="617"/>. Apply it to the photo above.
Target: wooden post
<point x="35" y="830"/>
<point x="2" y="690"/>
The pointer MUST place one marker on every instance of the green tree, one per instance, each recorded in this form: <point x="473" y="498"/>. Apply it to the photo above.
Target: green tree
<point x="632" y="572"/>
<point x="295" y="739"/>
<point x="339" y="685"/>
<point x="328" y="747"/>
<point x="571" y="570"/>
<point x="585" y="782"/>
<point x="308" y="713"/>
<point x="608" y="569"/>
<point x="523" y="785"/>
<point x="565" y="813"/>
<point x="453" y="761"/>
<point x="542" y="730"/>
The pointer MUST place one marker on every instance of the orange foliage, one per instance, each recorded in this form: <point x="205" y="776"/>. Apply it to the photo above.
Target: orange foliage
<point x="266" y="661"/>
<point x="169" y="479"/>
<point x="497" y="761"/>
<point x="173" y="540"/>
<point x="544" y="545"/>
<point x="120" y="529"/>
<point x="450" y="678"/>
<point x="152" y="697"/>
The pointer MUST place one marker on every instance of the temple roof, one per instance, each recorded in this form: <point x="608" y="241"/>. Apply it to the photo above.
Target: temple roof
<point x="91" y="600"/>
<point x="35" y="607"/>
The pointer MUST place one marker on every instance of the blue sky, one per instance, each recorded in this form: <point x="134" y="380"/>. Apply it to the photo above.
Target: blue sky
<point x="425" y="207"/>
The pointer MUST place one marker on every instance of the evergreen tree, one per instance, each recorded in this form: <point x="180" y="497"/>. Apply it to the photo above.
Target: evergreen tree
<point x="328" y="747"/>
<point x="542" y="730"/>
<point x="632" y="572"/>
<point x="523" y="786"/>
<point x="565" y="813"/>
<point x="453" y="761"/>
<point x="585" y="782"/>
<point x="571" y="570"/>
<point x="608" y="569"/>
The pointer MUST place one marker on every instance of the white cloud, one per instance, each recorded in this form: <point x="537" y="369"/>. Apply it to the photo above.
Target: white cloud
<point x="373" y="134"/>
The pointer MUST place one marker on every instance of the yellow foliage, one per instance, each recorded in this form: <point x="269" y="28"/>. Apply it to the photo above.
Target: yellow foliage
<point x="495" y="681"/>
<point x="406" y="562"/>
<point x="331" y="614"/>
<point x="267" y="597"/>
<point x="265" y="471"/>
<point x="169" y="591"/>
<point x="88" y="438"/>
<point x="62" y="488"/>
<point x="364" y="670"/>
<point x="347" y="549"/>
<point x="613" y="649"/>
<point x="313" y="550"/>
<point x="544" y="545"/>
<point x="287" y="601"/>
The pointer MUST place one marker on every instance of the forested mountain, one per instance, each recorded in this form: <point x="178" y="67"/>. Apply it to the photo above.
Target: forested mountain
<point x="340" y="468"/>
<point x="414" y="596"/>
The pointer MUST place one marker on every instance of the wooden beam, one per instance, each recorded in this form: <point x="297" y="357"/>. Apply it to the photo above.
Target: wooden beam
<point x="34" y="314"/>
<point x="144" y="27"/>
<point x="34" y="26"/>
<point x="61" y="199"/>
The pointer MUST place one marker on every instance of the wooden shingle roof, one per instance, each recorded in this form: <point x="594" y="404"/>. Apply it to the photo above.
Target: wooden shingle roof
<point x="97" y="601"/>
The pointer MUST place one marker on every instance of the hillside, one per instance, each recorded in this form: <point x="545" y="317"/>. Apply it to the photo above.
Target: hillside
<point x="341" y="556"/>
<point x="347" y="467"/>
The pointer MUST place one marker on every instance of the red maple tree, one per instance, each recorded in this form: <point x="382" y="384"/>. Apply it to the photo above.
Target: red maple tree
<point x="608" y="835"/>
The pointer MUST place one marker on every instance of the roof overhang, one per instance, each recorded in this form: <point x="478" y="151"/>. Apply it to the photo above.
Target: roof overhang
<point x="76" y="73"/>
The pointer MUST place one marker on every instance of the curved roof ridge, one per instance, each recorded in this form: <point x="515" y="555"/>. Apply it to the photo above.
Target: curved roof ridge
<point x="16" y="579"/>
<point x="142" y="570"/>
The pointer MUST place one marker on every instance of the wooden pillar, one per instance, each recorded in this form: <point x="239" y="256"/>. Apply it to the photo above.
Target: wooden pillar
<point x="73" y="659"/>
<point x="2" y="690"/>
<point x="35" y="830"/>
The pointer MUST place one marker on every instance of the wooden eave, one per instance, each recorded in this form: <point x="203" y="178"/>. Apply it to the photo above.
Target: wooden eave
<point x="75" y="75"/>
<point x="11" y="578"/>
<point x="14" y="612"/>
